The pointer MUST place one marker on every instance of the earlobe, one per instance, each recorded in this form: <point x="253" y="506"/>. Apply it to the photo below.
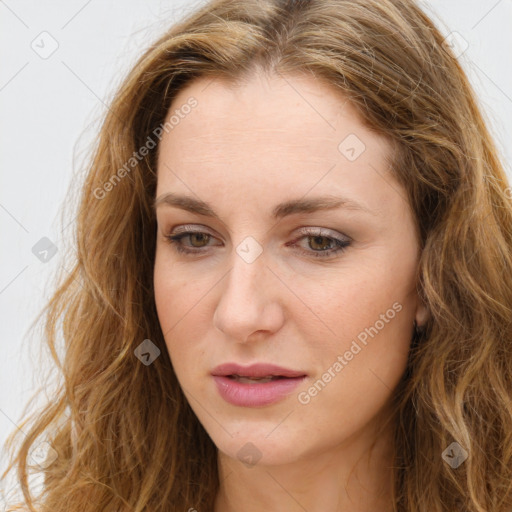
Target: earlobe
<point x="422" y="314"/>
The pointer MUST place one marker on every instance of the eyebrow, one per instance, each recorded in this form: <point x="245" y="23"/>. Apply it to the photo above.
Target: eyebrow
<point x="291" y="207"/>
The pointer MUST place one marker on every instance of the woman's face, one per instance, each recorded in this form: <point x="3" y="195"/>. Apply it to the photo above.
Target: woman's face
<point x="303" y="256"/>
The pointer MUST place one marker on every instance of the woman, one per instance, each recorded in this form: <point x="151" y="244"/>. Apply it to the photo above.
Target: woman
<point x="293" y="282"/>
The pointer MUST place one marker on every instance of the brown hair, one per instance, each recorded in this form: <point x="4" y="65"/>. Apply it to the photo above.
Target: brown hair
<point x="124" y="434"/>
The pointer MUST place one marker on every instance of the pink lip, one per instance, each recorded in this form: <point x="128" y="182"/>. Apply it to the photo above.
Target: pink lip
<point x="255" y="395"/>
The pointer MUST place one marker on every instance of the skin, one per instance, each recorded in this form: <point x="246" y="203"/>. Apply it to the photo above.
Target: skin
<point x="244" y="150"/>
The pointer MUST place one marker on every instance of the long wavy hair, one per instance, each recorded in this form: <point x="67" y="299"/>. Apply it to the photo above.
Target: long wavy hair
<point x="122" y="434"/>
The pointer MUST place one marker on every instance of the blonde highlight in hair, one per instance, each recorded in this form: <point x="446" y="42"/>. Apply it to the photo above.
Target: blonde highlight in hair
<point x="130" y="441"/>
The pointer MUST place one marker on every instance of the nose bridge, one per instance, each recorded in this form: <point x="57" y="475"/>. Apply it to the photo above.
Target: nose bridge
<point x="245" y="305"/>
<point x="244" y="278"/>
<point x="248" y="266"/>
<point x="245" y="283"/>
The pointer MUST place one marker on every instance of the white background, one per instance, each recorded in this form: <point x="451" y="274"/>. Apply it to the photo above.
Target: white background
<point x="49" y="111"/>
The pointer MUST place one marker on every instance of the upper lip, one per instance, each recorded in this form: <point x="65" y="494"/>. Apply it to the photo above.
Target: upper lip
<point x="255" y="370"/>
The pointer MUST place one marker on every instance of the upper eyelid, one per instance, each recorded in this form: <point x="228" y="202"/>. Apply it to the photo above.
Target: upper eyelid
<point x="329" y="233"/>
<point x="188" y="228"/>
<point x="303" y="231"/>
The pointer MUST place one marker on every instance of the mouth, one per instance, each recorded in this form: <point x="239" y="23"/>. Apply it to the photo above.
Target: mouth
<point x="255" y="372"/>
<point x="256" y="385"/>
<point x="255" y="380"/>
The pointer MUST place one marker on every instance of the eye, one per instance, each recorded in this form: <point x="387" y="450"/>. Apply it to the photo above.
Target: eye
<point x="198" y="240"/>
<point x="321" y="245"/>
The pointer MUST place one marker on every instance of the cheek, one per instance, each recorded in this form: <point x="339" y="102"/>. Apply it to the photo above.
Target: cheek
<point x="359" y="371"/>
<point x="175" y="292"/>
<point x="370" y="323"/>
<point x="180" y="301"/>
<point x="165" y="295"/>
<point x="368" y="316"/>
<point x="356" y="300"/>
<point x="171" y="299"/>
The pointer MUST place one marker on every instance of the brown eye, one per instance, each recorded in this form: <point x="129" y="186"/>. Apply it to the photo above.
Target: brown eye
<point x="200" y="238"/>
<point x="198" y="241"/>
<point x="321" y="243"/>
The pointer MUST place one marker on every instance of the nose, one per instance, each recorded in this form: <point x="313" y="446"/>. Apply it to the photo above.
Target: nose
<point x="249" y="305"/>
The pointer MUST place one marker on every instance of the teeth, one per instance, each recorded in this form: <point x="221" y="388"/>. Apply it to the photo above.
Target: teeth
<point x="253" y="380"/>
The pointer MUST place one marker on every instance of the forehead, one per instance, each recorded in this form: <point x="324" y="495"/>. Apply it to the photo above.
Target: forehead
<point x="270" y="109"/>
<point x="274" y="135"/>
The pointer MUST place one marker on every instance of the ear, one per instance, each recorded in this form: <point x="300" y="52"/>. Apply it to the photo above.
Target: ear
<point x="422" y="314"/>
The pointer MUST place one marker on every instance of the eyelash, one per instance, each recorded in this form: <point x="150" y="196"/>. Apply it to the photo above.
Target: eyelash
<point x="341" y="245"/>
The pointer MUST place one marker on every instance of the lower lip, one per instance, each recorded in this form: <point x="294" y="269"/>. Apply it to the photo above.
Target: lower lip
<point x="255" y="395"/>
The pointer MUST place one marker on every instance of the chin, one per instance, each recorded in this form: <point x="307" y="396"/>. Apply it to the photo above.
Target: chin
<point x="257" y="443"/>
<point x="260" y="453"/>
